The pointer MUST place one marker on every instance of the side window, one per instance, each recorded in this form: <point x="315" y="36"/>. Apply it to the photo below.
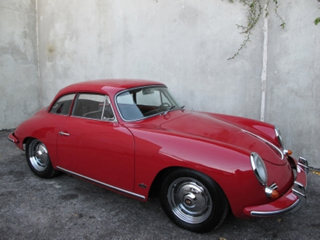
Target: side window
<point x="93" y="106"/>
<point x="62" y="105"/>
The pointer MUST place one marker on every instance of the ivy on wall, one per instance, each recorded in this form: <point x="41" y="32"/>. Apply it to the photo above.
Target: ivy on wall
<point x="256" y="8"/>
<point x="317" y="20"/>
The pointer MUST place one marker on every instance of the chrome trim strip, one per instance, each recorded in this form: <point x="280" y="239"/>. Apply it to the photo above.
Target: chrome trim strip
<point x="266" y="141"/>
<point x="11" y="140"/>
<point x="101" y="183"/>
<point x="271" y="213"/>
<point x="279" y="136"/>
<point x="304" y="167"/>
<point x="297" y="187"/>
<point x="297" y="192"/>
<point x="14" y="139"/>
<point x="299" y="184"/>
<point x="64" y="134"/>
<point x="274" y="186"/>
<point x="113" y="120"/>
<point x="302" y="162"/>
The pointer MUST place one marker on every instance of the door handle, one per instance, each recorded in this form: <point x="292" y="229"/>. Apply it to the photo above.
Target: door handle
<point x="64" y="134"/>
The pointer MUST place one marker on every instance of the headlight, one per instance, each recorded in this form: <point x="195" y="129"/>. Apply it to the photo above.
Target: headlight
<point x="279" y="137"/>
<point x="259" y="168"/>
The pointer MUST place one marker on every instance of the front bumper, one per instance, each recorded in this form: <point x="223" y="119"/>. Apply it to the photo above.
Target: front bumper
<point x="291" y="201"/>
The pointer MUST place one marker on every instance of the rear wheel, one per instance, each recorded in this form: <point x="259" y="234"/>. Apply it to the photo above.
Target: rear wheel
<point x="193" y="201"/>
<point x="38" y="159"/>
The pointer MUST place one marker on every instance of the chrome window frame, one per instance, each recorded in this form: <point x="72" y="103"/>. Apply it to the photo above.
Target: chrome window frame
<point x="106" y="100"/>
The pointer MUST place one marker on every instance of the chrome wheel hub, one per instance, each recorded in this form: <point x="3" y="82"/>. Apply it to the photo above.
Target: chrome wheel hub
<point x="189" y="200"/>
<point x="38" y="155"/>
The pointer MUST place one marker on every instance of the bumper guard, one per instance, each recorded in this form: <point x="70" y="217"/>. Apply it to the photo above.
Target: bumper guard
<point x="292" y="201"/>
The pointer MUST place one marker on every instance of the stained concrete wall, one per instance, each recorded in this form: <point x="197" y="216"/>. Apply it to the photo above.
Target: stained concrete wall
<point x="185" y="44"/>
<point x="19" y="93"/>
<point x="293" y="85"/>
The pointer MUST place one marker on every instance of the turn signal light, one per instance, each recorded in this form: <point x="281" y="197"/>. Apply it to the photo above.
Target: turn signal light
<point x="288" y="152"/>
<point x="272" y="192"/>
<point x="275" y="194"/>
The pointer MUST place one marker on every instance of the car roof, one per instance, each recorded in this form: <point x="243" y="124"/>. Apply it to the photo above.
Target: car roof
<point x="111" y="86"/>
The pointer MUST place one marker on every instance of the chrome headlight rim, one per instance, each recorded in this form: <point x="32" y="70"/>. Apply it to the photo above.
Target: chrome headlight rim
<point x="259" y="168"/>
<point x="279" y="136"/>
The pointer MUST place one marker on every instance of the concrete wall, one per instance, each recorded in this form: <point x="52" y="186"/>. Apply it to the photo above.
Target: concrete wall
<point x="185" y="44"/>
<point x="293" y="87"/>
<point x="19" y="93"/>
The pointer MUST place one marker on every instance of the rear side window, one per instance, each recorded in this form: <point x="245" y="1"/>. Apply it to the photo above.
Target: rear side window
<point x="93" y="106"/>
<point x="62" y="105"/>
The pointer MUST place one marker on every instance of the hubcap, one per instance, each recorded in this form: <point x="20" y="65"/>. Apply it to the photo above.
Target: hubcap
<point x="38" y="155"/>
<point x="189" y="200"/>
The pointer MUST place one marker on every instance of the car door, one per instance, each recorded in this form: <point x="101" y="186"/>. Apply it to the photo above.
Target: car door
<point x="93" y="145"/>
<point x="48" y="133"/>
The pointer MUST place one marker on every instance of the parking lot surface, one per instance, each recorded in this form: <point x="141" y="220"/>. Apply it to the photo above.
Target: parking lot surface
<point x="65" y="207"/>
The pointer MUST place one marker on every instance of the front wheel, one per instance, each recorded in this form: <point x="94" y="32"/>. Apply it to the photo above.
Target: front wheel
<point x="193" y="201"/>
<point x="38" y="159"/>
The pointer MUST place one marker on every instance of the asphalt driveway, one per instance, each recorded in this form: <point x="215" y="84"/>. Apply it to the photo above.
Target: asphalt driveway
<point x="68" y="208"/>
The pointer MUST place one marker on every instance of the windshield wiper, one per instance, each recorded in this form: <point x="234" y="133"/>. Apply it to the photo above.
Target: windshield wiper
<point x="169" y="109"/>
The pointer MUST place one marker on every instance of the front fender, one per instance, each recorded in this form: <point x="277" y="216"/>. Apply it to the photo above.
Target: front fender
<point x="229" y="166"/>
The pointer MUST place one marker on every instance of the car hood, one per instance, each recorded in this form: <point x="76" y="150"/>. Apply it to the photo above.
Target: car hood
<point x="206" y="126"/>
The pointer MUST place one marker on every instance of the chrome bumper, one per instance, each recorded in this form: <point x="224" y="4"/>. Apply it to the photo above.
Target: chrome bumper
<point x="303" y="164"/>
<point x="292" y="201"/>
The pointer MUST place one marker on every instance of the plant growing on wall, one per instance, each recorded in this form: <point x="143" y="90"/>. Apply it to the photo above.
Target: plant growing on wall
<point x="255" y="11"/>
<point x="317" y="20"/>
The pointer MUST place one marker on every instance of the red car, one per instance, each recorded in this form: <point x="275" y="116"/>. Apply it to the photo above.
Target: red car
<point x="133" y="137"/>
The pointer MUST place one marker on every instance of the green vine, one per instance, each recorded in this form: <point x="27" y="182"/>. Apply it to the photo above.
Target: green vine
<point x="317" y="20"/>
<point x="255" y="11"/>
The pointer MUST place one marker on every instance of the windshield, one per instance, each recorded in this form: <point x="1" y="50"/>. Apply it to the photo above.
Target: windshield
<point x="145" y="102"/>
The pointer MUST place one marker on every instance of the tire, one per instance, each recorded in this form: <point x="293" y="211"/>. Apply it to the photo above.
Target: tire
<point x="193" y="201"/>
<point x="38" y="159"/>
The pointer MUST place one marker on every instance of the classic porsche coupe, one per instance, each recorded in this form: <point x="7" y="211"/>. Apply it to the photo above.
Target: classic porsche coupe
<point x="133" y="137"/>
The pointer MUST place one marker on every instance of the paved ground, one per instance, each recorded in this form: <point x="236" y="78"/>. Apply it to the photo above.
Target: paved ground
<point x="68" y="208"/>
